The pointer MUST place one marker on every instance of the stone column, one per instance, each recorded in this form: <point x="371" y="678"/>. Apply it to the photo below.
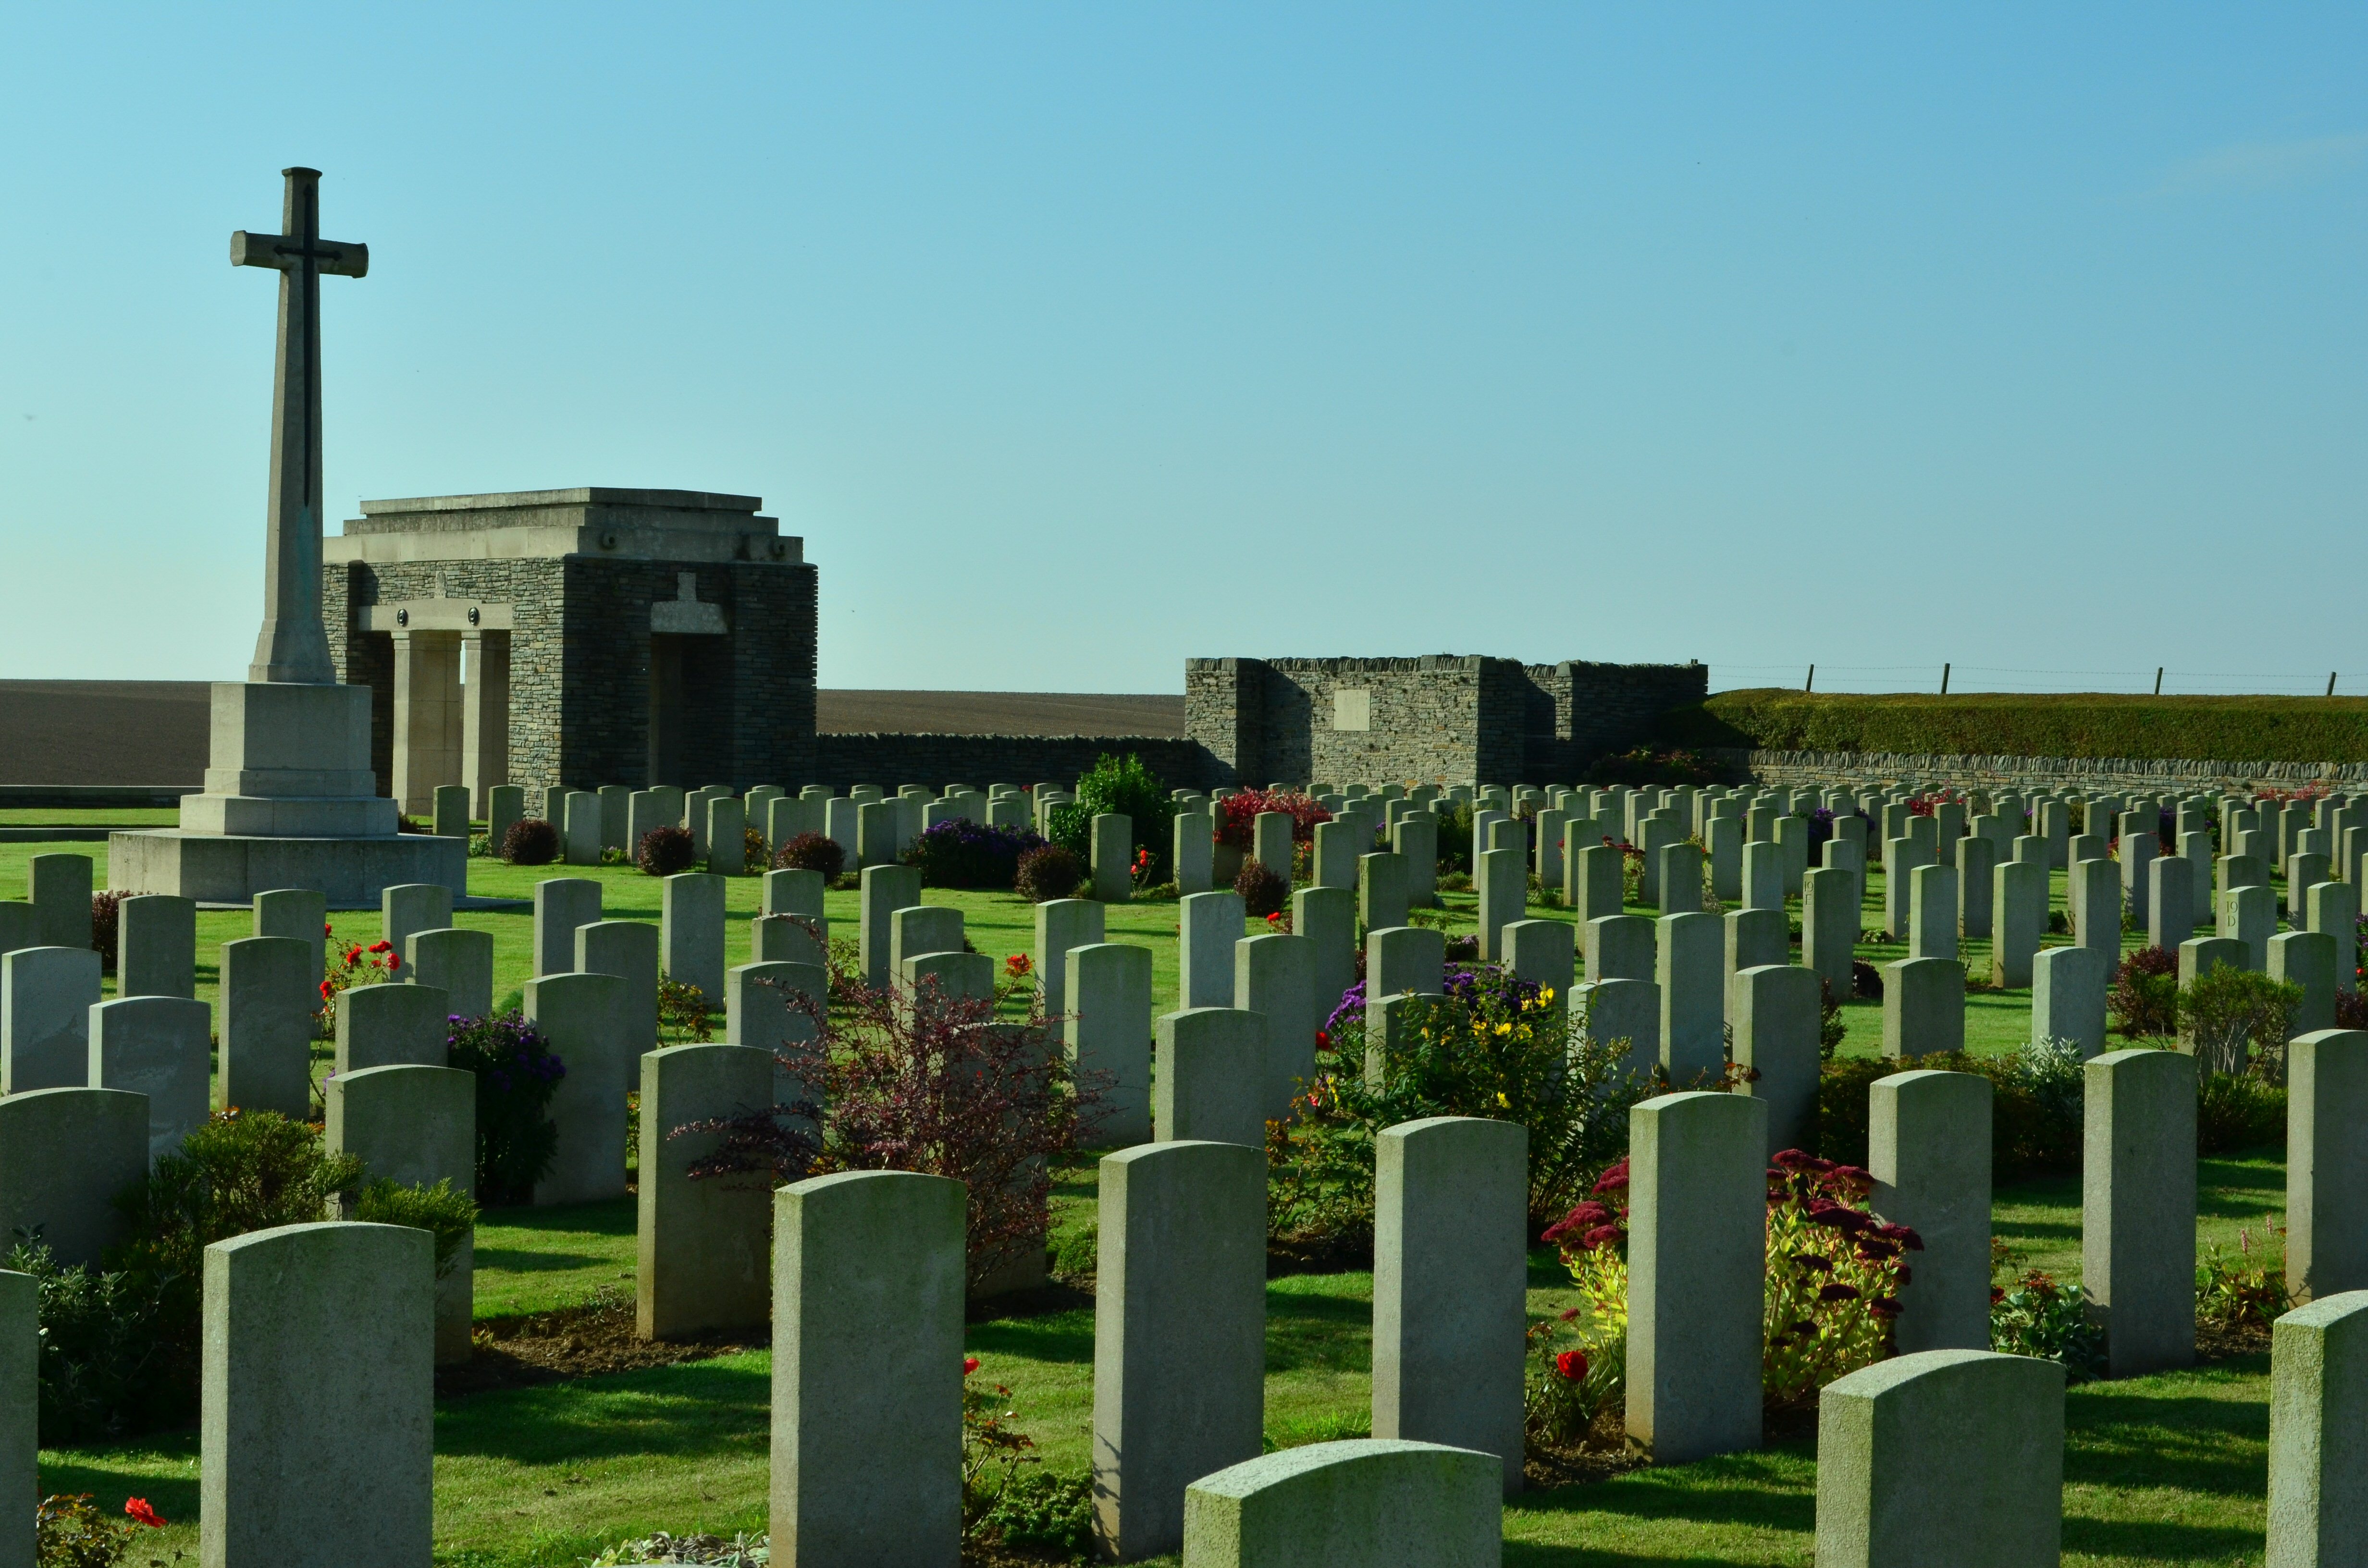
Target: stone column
<point x="270" y="986"/>
<point x="1209" y="1082"/>
<point x="581" y="1015"/>
<point x="2326" y="1164"/>
<point x="1696" y="1213"/>
<point x="1942" y="1457"/>
<point x="319" y="1339"/>
<point x="1274" y="977"/>
<point x="1923" y="1007"/>
<point x="2067" y="998"/>
<point x="1328" y="917"/>
<point x="703" y="1252"/>
<point x="2137" y="1208"/>
<point x="428" y="717"/>
<point x="1690" y="958"/>
<point x="2319" y="1410"/>
<point x="1107" y="1030"/>
<point x="1830" y="912"/>
<point x="867" y="1397"/>
<point x="458" y="961"/>
<point x="1928" y="1149"/>
<point x="1776" y="1023"/>
<point x="484" y="717"/>
<point x="1180" y="1334"/>
<point x="156" y="952"/>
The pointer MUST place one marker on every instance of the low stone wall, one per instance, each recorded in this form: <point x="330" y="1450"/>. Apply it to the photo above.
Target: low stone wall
<point x="2099" y="772"/>
<point x="842" y="761"/>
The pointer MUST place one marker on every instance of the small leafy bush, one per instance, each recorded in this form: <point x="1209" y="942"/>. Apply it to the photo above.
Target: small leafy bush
<point x="1125" y="785"/>
<point x="1237" y="816"/>
<point x="72" y="1531"/>
<point x="2237" y="1110"/>
<point x="2238" y="1017"/>
<point x="754" y="853"/>
<point x="1572" y="1379"/>
<point x="811" y="852"/>
<point x="1044" y="1511"/>
<point x="103" y="1354"/>
<point x="443" y="1213"/>
<point x="2247" y="1290"/>
<point x="962" y="854"/>
<point x="686" y="1015"/>
<point x="2039" y="1318"/>
<point x="2036" y="1101"/>
<point x="106" y="926"/>
<point x="1047" y="873"/>
<point x="517" y="1076"/>
<point x="1642" y="764"/>
<point x="665" y="852"/>
<point x="531" y="841"/>
<point x="1262" y="890"/>
<point x="2143" y="1000"/>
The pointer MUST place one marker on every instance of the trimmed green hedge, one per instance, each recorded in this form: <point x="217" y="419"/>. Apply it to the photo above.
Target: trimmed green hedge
<point x="2226" y="729"/>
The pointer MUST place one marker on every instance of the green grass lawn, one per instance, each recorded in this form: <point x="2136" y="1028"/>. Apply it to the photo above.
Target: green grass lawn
<point x="2167" y="1469"/>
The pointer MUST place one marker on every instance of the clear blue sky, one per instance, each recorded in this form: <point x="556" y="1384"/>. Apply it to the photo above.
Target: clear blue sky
<point x="1077" y="340"/>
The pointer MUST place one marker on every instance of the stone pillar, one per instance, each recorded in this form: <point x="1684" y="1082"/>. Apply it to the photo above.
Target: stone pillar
<point x="319" y="1339"/>
<point x="561" y="904"/>
<point x="486" y="718"/>
<point x="2092" y="895"/>
<point x="413" y="907"/>
<point x="428" y="717"/>
<point x="1347" y="1505"/>
<point x="1830" y="911"/>
<point x="1112" y="855"/>
<point x="690" y="931"/>
<point x="868" y="1293"/>
<point x="2306" y="959"/>
<point x="1209" y="1084"/>
<point x="1501" y="878"/>
<point x="270" y="987"/>
<point x="1193" y="856"/>
<point x="1593" y="887"/>
<point x="582" y="1018"/>
<point x="2169" y="902"/>
<point x="1776" y="1024"/>
<point x="416" y="1126"/>
<point x="727" y="836"/>
<point x="156" y="950"/>
<point x="2334" y="908"/>
<point x="2319" y="1411"/>
<point x="1697" y="1218"/>
<point x="1408" y="959"/>
<point x="1274" y="977"/>
<point x="886" y="889"/>
<point x="20" y="1350"/>
<point x="705" y="1246"/>
<point x="2326" y="1164"/>
<point x="2137" y="1208"/>
<point x="1681" y="880"/>
<point x="1763" y="876"/>
<point x="1939" y="1457"/>
<point x="1108" y="1033"/>
<point x="1208" y="925"/>
<point x="1928" y="1149"/>
<point x="1382" y="897"/>
<point x="1449" y="1281"/>
<point x="1976" y="860"/>
<point x="2250" y="916"/>
<point x="64" y="1154"/>
<point x="159" y="1047"/>
<point x="1932" y="913"/>
<point x="1063" y="924"/>
<point x="1180" y="1334"/>
<point x="2067" y="998"/>
<point x="1270" y="843"/>
<point x="1923" y="1007"/>
<point x="392" y="1025"/>
<point x="1689" y="960"/>
<point x="1622" y="947"/>
<point x="46" y="995"/>
<point x="457" y="962"/>
<point x="1328" y="917"/>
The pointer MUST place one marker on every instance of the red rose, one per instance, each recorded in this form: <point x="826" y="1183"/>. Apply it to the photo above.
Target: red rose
<point x="141" y="1514"/>
<point x="970" y="1365"/>
<point x="1572" y="1364"/>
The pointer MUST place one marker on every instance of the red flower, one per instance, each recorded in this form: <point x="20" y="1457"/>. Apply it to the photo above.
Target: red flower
<point x="1886" y="1307"/>
<point x="327" y="930"/>
<point x="325" y="990"/>
<point x="1603" y="1235"/>
<point x="393" y="962"/>
<point x="970" y="1365"/>
<point x="1572" y="1364"/>
<point x="1569" y="1314"/>
<point x="1323" y="1040"/>
<point x="1017" y="964"/>
<point x="1838" y="1291"/>
<point x="1613" y="1180"/>
<point x="141" y="1514"/>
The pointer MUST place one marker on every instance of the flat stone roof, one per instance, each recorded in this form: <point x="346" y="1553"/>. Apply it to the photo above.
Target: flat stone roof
<point x="584" y="495"/>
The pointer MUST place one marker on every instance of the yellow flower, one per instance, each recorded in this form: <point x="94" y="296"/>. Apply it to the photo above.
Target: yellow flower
<point x="1501" y="1100"/>
<point x="1504" y="1028"/>
<point x="1546" y="995"/>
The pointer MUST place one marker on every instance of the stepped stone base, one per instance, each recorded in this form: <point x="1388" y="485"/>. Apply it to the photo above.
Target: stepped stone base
<point x="229" y="869"/>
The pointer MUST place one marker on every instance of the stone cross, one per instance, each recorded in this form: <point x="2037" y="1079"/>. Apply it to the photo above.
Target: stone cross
<point x="292" y="646"/>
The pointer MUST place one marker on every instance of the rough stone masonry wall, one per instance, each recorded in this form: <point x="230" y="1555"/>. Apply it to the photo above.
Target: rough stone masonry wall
<point x="1440" y="719"/>
<point x="1850" y="767"/>
<point x="890" y="761"/>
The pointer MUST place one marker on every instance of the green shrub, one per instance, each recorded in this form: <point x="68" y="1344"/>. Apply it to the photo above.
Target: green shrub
<point x="1125" y="785"/>
<point x="1262" y="890"/>
<point x="516" y="1075"/>
<point x="2039" y="1318"/>
<point x="2237" y="1111"/>
<point x="2234" y="1018"/>
<point x="2035" y="1106"/>
<point x="1042" y="1510"/>
<point x="104" y="1363"/>
<point x="811" y="852"/>
<point x="666" y="851"/>
<point x="443" y="1213"/>
<point x="531" y="841"/>
<point x="2230" y="729"/>
<point x="1047" y="873"/>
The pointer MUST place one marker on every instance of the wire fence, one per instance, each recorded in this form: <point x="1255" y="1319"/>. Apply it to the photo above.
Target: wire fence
<point x="1954" y="678"/>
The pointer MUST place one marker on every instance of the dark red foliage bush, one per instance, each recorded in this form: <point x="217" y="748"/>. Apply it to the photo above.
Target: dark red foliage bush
<point x="664" y="851"/>
<point x="1237" y="815"/>
<point x="106" y="928"/>
<point x="811" y="852"/>
<point x="1048" y="873"/>
<point x="530" y="842"/>
<point x="1263" y="891"/>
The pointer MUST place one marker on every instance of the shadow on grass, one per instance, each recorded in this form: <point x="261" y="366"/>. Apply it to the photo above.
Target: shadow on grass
<point x="609" y="1217"/>
<point x="113" y="1473"/>
<point x="2155" y="1540"/>
<point x="1769" y="1488"/>
<point x="1057" y="1337"/>
<point x="2193" y="1444"/>
<point x="1307" y="1332"/>
<point x="689" y="1409"/>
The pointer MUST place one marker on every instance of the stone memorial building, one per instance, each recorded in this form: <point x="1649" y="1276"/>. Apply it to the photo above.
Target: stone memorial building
<point x="1441" y="718"/>
<point x="587" y="636"/>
